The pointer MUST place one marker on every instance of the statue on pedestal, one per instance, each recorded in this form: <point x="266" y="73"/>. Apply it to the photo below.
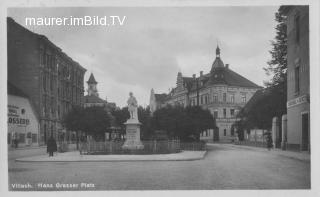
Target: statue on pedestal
<point x="133" y="107"/>
<point x="133" y="141"/>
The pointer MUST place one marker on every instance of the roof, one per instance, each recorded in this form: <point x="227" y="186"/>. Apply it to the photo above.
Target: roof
<point x="227" y="76"/>
<point x="217" y="63"/>
<point x="93" y="99"/>
<point x="13" y="90"/>
<point x="161" y="97"/>
<point x="92" y="80"/>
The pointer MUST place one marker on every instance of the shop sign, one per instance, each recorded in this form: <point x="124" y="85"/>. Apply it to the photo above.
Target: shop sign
<point x="297" y="101"/>
<point x="15" y="116"/>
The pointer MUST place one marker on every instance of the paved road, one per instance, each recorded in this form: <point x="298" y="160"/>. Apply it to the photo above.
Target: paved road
<point x="223" y="168"/>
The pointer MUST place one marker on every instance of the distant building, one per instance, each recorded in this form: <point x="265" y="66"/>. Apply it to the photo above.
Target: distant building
<point x="92" y="98"/>
<point x="52" y="81"/>
<point x="157" y="101"/>
<point x="222" y="91"/>
<point x="298" y="77"/>
<point x="23" y="120"/>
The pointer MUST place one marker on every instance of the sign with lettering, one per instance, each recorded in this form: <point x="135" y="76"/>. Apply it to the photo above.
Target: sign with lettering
<point x="131" y="134"/>
<point x="297" y="101"/>
<point x="15" y="116"/>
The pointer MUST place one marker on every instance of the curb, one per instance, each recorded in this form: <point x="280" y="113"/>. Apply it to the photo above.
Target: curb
<point x="202" y="156"/>
<point x="278" y="152"/>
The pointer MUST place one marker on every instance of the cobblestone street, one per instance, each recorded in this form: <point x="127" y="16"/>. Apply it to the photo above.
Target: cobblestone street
<point x="224" y="167"/>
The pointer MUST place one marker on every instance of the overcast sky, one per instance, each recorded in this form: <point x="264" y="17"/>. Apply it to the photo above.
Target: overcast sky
<point x="155" y="43"/>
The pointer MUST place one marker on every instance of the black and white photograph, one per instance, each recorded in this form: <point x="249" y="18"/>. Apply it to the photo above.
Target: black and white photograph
<point x="176" y="96"/>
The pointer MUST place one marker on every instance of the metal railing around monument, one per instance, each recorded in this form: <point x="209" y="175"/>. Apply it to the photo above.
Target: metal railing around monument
<point x="150" y="147"/>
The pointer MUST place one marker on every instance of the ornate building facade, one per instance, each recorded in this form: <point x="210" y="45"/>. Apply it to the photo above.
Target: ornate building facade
<point x="50" y="78"/>
<point x="222" y="91"/>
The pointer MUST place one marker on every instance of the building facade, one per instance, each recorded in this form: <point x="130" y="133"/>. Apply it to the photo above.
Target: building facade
<point x="23" y="121"/>
<point x="50" y="78"/>
<point x="298" y="77"/>
<point x="222" y="91"/>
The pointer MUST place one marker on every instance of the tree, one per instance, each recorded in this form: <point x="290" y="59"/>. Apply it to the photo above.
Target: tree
<point x="95" y="122"/>
<point x="184" y="123"/>
<point x="121" y="116"/>
<point x="144" y="115"/>
<point x="261" y="108"/>
<point x="92" y="120"/>
<point x="72" y="121"/>
<point x="277" y="66"/>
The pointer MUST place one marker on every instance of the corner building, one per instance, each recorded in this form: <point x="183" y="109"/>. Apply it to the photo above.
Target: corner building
<point x="51" y="79"/>
<point x="298" y="77"/>
<point x="222" y="91"/>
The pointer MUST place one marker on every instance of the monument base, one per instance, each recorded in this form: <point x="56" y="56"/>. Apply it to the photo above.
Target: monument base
<point x="132" y="135"/>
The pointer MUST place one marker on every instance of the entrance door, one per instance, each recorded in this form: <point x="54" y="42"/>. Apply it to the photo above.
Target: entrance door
<point x="305" y="132"/>
<point x="216" y="134"/>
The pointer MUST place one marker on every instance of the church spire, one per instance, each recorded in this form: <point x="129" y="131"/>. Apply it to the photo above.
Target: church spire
<point x="218" y="63"/>
<point x="218" y="51"/>
<point x="92" y="86"/>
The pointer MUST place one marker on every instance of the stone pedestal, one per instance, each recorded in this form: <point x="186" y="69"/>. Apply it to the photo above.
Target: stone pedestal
<point x="133" y="141"/>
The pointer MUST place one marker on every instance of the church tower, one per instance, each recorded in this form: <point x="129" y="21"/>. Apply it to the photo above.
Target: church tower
<point x="92" y="86"/>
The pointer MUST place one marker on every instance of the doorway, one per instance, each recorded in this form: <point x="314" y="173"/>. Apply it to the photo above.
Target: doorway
<point x="305" y="132"/>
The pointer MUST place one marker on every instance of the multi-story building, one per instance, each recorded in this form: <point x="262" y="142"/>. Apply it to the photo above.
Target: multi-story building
<point x="50" y="78"/>
<point x="222" y="91"/>
<point x="298" y="77"/>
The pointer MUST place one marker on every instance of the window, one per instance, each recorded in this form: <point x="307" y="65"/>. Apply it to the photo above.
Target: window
<point x="225" y="132"/>
<point x="297" y="26"/>
<point x="224" y="112"/>
<point x="232" y="112"/>
<point x="51" y="83"/>
<point x="34" y="138"/>
<point x="297" y="78"/>
<point x="232" y="98"/>
<point x="243" y="99"/>
<point x="22" y="137"/>
<point x="224" y="97"/>
<point x="44" y="82"/>
<point x="206" y="99"/>
<point x="201" y="100"/>
<point x="215" y="114"/>
<point x="193" y="102"/>
<point x="215" y="98"/>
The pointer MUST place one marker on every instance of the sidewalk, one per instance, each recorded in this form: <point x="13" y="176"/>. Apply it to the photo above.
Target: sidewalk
<point x="76" y="157"/>
<point x="302" y="156"/>
<point x="26" y="148"/>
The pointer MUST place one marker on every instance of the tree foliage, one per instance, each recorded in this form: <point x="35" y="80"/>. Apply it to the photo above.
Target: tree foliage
<point x="277" y="66"/>
<point x="260" y="110"/>
<point x="93" y="121"/>
<point x="184" y="123"/>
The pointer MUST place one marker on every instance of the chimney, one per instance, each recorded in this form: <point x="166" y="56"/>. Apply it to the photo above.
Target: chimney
<point x="194" y="76"/>
<point x="201" y="73"/>
<point x="227" y="66"/>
